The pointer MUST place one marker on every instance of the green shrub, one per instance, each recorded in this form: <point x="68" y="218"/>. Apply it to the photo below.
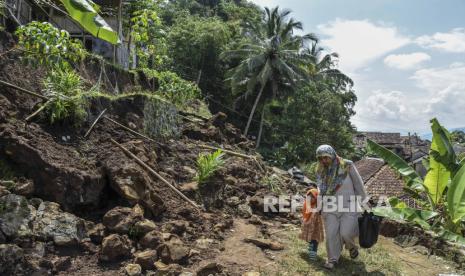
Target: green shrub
<point x="65" y="91"/>
<point x="174" y="88"/>
<point x="208" y="164"/>
<point x="43" y="44"/>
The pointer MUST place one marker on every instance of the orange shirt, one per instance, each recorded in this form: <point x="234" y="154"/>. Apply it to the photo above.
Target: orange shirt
<point x="313" y="194"/>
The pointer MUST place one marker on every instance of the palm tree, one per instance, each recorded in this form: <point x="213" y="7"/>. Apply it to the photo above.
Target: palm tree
<point x="322" y="68"/>
<point x="272" y="58"/>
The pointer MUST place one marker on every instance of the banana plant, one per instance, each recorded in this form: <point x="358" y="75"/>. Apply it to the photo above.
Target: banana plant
<point x="441" y="194"/>
<point x="86" y="13"/>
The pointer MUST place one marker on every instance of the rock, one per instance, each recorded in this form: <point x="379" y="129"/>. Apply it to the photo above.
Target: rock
<point x="132" y="183"/>
<point x="151" y="240"/>
<point x="146" y="258"/>
<point x="190" y="187"/>
<point x="115" y="247"/>
<point x="173" y="251"/>
<point x="204" y="243"/>
<point x="61" y="263"/>
<point x="167" y="269"/>
<point x="145" y="226"/>
<point x="35" y="202"/>
<point x="3" y="191"/>
<point x="421" y="249"/>
<point x="16" y="215"/>
<point x="265" y="243"/>
<point x="59" y="173"/>
<point x="12" y="260"/>
<point x="177" y="227"/>
<point x="121" y="220"/>
<point x="257" y="204"/>
<point x="233" y="201"/>
<point x="207" y="268"/>
<point x="64" y="229"/>
<point x="244" y="210"/>
<point x="97" y="233"/>
<point x="133" y="270"/>
<point x="24" y="187"/>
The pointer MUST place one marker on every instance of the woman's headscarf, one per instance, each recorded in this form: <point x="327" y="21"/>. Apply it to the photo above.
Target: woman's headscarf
<point x="329" y="179"/>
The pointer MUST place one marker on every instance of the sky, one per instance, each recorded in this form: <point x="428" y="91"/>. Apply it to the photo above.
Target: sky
<point x="407" y="58"/>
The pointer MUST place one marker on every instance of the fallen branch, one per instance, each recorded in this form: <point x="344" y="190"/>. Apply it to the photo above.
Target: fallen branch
<point x="23" y="90"/>
<point x="28" y="118"/>
<point x="130" y="130"/>
<point x="154" y="173"/>
<point x="95" y="122"/>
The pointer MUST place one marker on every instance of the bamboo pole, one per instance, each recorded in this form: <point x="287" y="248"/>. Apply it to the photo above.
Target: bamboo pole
<point x="23" y="90"/>
<point x="95" y="122"/>
<point x="130" y="130"/>
<point x="28" y="118"/>
<point x="154" y="173"/>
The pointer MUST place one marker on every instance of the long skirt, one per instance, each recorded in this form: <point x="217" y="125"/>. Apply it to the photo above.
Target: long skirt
<point x="312" y="229"/>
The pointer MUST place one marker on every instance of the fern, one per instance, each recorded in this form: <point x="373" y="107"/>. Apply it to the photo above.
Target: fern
<point x="208" y="164"/>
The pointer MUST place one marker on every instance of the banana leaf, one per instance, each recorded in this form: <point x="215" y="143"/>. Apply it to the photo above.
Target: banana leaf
<point x="450" y="236"/>
<point x="86" y="13"/>
<point x="410" y="176"/>
<point x="440" y="164"/>
<point x="406" y="214"/>
<point x="443" y="151"/>
<point x="456" y="196"/>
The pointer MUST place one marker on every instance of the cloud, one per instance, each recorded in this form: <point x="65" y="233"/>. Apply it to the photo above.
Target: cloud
<point x="445" y="89"/>
<point x="386" y="105"/>
<point x="359" y="42"/>
<point x="406" y="61"/>
<point x="452" y="41"/>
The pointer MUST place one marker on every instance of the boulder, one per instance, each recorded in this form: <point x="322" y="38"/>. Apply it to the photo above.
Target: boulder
<point x="173" y="251"/>
<point x="12" y="260"/>
<point x="96" y="233"/>
<point x="167" y="269"/>
<point x="64" y="229"/>
<point x="133" y="270"/>
<point x="121" y="219"/>
<point x="16" y="216"/>
<point x="24" y="187"/>
<point x="115" y="247"/>
<point x="58" y="170"/>
<point x="177" y="227"/>
<point x="244" y="210"/>
<point x="145" y="226"/>
<point x="146" y="258"/>
<point x="151" y="240"/>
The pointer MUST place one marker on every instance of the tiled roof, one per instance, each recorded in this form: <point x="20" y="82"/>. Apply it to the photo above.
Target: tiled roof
<point x="367" y="167"/>
<point x="385" y="182"/>
<point x="383" y="137"/>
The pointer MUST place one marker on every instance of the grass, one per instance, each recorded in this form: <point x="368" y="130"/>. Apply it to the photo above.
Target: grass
<point x="373" y="261"/>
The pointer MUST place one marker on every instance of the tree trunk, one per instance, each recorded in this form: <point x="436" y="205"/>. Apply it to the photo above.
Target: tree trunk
<point x="262" y="120"/>
<point x="252" y="112"/>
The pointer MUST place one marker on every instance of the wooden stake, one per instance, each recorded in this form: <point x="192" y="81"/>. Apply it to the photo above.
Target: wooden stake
<point x="154" y="173"/>
<point x="95" y="122"/>
<point x="23" y="90"/>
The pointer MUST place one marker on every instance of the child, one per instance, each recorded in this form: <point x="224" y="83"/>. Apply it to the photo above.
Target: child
<point x="312" y="223"/>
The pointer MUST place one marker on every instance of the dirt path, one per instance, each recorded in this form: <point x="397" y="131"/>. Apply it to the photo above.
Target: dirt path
<point x="386" y="258"/>
<point x="240" y="257"/>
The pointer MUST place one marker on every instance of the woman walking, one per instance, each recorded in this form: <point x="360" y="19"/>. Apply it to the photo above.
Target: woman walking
<point x="340" y="179"/>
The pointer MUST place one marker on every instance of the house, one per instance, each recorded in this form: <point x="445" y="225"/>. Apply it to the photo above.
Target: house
<point x="381" y="180"/>
<point x="20" y="12"/>
<point x="411" y="148"/>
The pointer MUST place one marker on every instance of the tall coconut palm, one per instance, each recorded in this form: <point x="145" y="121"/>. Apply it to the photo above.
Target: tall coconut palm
<point x="271" y="59"/>
<point x="322" y="68"/>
